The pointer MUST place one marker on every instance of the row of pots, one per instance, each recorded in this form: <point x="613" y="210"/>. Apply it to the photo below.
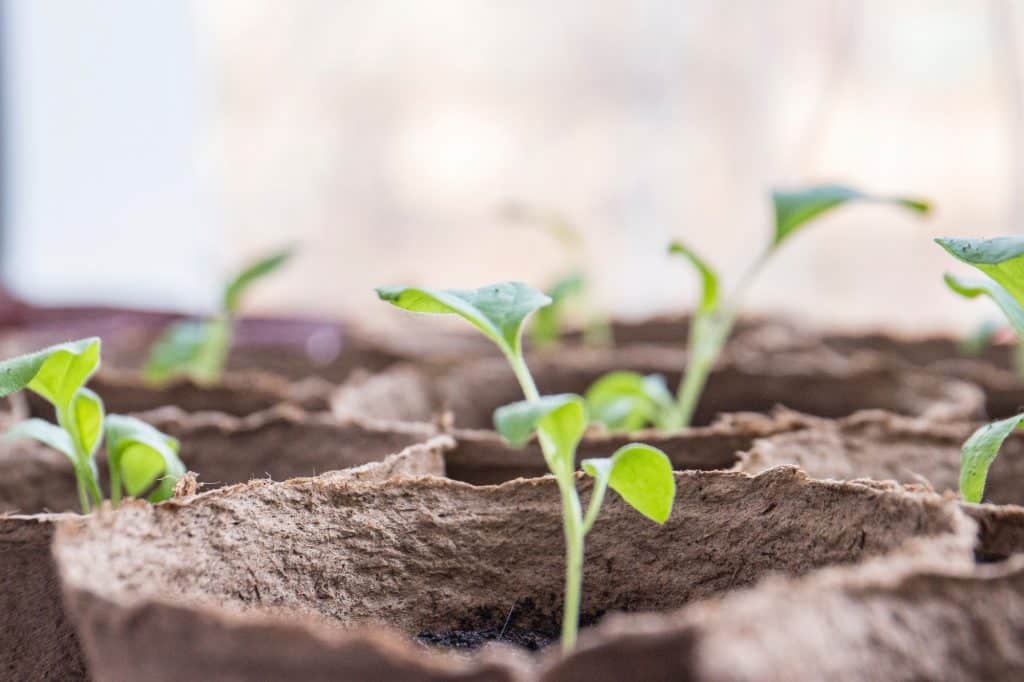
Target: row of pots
<point x="271" y="580"/>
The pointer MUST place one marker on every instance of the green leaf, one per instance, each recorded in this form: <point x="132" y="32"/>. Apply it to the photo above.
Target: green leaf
<point x="86" y="417"/>
<point x="142" y="455"/>
<point x="709" y="296"/>
<point x="236" y="287"/>
<point x="498" y="310"/>
<point x="629" y="401"/>
<point x="969" y="288"/>
<point x="55" y="373"/>
<point x="46" y="433"/>
<point x="558" y="420"/>
<point x="795" y="208"/>
<point x="548" y="323"/>
<point x="641" y="475"/>
<point x="1001" y="258"/>
<point x="192" y="348"/>
<point x="978" y="453"/>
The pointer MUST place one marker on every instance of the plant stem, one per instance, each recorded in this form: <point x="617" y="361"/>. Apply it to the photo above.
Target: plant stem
<point x="572" y="516"/>
<point x="574" y="539"/>
<point x="83" y="494"/>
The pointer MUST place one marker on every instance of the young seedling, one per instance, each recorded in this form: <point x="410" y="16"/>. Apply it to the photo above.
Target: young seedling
<point x="640" y="474"/>
<point x="138" y="456"/>
<point x="626" y="401"/>
<point x="1002" y="259"/>
<point x="199" y="348"/>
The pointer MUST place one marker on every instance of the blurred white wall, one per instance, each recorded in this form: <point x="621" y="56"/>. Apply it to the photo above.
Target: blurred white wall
<point x="386" y="136"/>
<point x="104" y="199"/>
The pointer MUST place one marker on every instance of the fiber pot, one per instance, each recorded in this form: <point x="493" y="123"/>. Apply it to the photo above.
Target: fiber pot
<point x="928" y="612"/>
<point x="815" y="382"/>
<point x="321" y="579"/>
<point x="882" y="446"/>
<point x="36" y="641"/>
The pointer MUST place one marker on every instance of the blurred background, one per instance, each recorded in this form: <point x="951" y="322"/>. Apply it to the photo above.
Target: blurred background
<point x="151" y="147"/>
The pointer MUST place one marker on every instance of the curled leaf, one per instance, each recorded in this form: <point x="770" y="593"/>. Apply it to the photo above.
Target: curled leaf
<point x="255" y="271"/>
<point x="86" y="420"/>
<point x="709" y="296"/>
<point x="140" y="456"/>
<point x="55" y="373"/>
<point x="498" y="310"/>
<point x="641" y="475"/>
<point x="978" y="453"/>
<point x="972" y="288"/>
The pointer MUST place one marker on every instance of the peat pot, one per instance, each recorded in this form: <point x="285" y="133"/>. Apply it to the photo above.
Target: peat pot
<point x="36" y="640"/>
<point x="430" y="578"/>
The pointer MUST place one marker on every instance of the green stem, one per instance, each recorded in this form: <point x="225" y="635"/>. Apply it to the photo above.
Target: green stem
<point x="572" y="516"/>
<point x="115" y="481"/>
<point x="574" y="536"/>
<point x="594" y="506"/>
<point x="83" y="493"/>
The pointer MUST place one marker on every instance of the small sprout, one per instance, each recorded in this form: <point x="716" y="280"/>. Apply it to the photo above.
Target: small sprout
<point x="984" y="336"/>
<point x="640" y="474"/>
<point x="58" y="374"/>
<point x="715" y="316"/>
<point x="549" y="323"/>
<point x="1002" y="259"/>
<point x="978" y="453"/>
<point x="199" y="348"/>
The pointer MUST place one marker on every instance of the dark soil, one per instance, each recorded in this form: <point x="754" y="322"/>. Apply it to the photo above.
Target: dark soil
<point x="469" y="640"/>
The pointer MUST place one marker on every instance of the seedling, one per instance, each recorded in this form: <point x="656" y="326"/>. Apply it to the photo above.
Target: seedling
<point x="640" y="474"/>
<point x="139" y="457"/>
<point x="1002" y="259"/>
<point x="199" y="348"/>
<point x="627" y="401"/>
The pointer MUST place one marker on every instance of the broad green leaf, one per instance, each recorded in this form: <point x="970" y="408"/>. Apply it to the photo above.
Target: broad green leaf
<point x="972" y="288"/>
<point x="236" y="287"/>
<point x="498" y="310"/>
<point x="558" y="420"/>
<point x="548" y="323"/>
<point x="978" y="453"/>
<point x="193" y="348"/>
<point x="55" y="373"/>
<point x="142" y="456"/>
<point x="46" y="433"/>
<point x="795" y="208"/>
<point x="641" y="475"/>
<point x="1001" y="258"/>
<point x="709" y="278"/>
<point x="86" y="417"/>
<point x="628" y="401"/>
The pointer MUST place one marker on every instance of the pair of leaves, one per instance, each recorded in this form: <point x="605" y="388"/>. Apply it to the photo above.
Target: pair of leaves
<point x="1002" y="259"/>
<point x="793" y="210"/>
<point x="199" y="349"/>
<point x="56" y="373"/>
<point x="498" y="310"/>
<point x="629" y="401"/>
<point x="143" y="456"/>
<point x="193" y="348"/>
<point x="640" y="474"/>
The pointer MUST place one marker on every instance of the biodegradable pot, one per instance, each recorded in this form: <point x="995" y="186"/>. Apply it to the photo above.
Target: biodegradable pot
<point x="36" y="641"/>
<point x="818" y="383"/>
<point x="294" y="580"/>
<point x="881" y="446"/>
<point x="927" y="613"/>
